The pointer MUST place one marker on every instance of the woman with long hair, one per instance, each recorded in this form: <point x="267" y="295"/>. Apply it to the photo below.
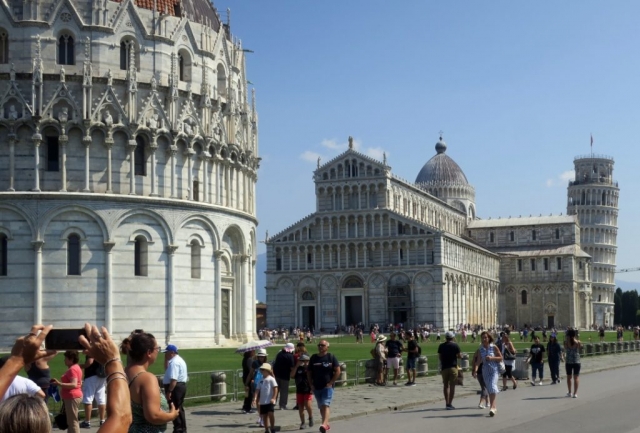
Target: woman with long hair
<point x="572" y="348"/>
<point x="149" y="408"/>
<point x="490" y="358"/>
<point x="247" y="361"/>
<point x="70" y="385"/>
<point x="509" y="355"/>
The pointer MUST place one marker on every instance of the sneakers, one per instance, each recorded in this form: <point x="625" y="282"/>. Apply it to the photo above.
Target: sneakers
<point x="575" y="395"/>
<point x="85" y="424"/>
<point x="102" y="421"/>
<point x="324" y="428"/>
<point x="540" y="383"/>
<point x="450" y="407"/>
<point x="303" y="426"/>
<point x="568" y="394"/>
<point x="408" y="384"/>
<point x="481" y="406"/>
<point x="310" y="422"/>
<point x="533" y="383"/>
<point x="515" y="386"/>
<point x="492" y="412"/>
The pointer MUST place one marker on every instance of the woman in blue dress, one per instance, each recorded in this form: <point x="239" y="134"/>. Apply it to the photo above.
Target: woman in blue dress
<point x="490" y="358"/>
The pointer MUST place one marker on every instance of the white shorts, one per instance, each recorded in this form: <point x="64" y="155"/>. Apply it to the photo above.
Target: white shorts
<point x="393" y="363"/>
<point x="94" y="387"/>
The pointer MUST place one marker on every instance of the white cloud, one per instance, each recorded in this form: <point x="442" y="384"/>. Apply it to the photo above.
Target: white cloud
<point x="375" y="152"/>
<point x="310" y="156"/>
<point x="568" y="175"/>
<point x="562" y="179"/>
<point x="332" y="144"/>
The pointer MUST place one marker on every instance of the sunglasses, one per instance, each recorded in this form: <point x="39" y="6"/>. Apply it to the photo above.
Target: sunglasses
<point x="321" y="345"/>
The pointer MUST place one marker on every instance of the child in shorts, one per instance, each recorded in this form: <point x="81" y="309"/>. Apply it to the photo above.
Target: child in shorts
<point x="303" y="390"/>
<point x="266" y="395"/>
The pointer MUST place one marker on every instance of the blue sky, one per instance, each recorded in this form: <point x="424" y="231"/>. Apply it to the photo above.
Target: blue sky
<point x="517" y="88"/>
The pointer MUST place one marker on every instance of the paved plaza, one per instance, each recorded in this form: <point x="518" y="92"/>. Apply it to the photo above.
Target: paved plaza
<point x="361" y="400"/>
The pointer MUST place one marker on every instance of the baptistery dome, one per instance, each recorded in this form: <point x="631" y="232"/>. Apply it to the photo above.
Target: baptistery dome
<point x="442" y="177"/>
<point x="441" y="169"/>
<point x="128" y="165"/>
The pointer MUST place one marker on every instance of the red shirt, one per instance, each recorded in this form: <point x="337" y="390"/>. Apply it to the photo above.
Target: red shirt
<point x="73" y="372"/>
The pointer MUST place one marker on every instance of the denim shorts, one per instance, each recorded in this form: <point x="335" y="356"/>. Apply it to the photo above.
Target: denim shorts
<point x="323" y="396"/>
<point x="411" y="363"/>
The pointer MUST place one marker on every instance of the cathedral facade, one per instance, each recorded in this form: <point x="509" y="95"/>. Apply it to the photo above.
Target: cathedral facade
<point x="128" y="166"/>
<point x="379" y="249"/>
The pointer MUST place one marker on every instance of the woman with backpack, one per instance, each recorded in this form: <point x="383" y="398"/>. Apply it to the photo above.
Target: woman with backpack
<point x="508" y="351"/>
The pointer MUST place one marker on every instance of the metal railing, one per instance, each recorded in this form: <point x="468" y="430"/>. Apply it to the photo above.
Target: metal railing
<point x="202" y="389"/>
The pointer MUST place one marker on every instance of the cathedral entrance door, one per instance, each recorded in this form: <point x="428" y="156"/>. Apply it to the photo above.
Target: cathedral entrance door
<point x="309" y="317"/>
<point x="352" y="310"/>
<point x="400" y="316"/>
<point x="550" y="322"/>
<point x="225" y="316"/>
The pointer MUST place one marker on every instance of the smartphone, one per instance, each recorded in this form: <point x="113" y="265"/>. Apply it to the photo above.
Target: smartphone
<point x="64" y="339"/>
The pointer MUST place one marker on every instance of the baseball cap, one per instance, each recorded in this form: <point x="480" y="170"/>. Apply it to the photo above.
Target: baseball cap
<point x="304" y="357"/>
<point x="289" y="347"/>
<point x="171" y="348"/>
<point x="449" y="334"/>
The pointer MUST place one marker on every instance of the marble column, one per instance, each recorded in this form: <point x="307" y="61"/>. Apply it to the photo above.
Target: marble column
<point x="86" y="141"/>
<point x="131" y="147"/>
<point x="37" y="140"/>
<point x="153" y="147"/>
<point x="12" y="161"/>
<point x="173" y="151"/>
<point x="37" y="295"/>
<point x="63" y="140"/>
<point x="108" y="285"/>
<point x="171" y="325"/>
<point x="189" y="154"/>
<point x="108" y="142"/>
<point x="217" y="297"/>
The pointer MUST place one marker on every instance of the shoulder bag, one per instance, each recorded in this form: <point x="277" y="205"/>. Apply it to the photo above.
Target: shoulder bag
<point x="61" y="419"/>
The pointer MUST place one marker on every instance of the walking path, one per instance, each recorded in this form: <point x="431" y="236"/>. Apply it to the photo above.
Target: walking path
<point x="354" y="401"/>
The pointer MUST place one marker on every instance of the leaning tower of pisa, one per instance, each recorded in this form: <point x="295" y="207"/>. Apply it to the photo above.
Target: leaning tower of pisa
<point x="593" y="197"/>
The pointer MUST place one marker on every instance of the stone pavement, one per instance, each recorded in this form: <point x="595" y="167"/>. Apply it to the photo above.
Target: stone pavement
<point x="355" y="401"/>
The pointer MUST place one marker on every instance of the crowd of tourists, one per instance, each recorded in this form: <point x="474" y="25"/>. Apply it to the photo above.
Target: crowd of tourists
<point x="129" y="397"/>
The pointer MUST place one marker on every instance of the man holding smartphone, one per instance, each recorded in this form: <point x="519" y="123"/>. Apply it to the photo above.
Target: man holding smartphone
<point x="175" y="384"/>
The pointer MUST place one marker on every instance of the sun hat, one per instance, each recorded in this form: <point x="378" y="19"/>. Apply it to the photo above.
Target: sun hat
<point x="381" y="338"/>
<point x="266" y="366"/>
<point x="289" y="347"/>
<point x="261" y="352"/>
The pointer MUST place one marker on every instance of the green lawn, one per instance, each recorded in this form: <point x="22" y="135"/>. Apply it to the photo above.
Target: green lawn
<point x="204" y="360"/>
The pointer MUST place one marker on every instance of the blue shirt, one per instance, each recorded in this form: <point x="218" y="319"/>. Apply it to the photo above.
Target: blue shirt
<point x="176" y="370"/>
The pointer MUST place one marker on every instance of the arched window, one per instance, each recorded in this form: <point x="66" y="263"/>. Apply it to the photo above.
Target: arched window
<point x="222" y="81"/>
<point x="492" y="237"/>
<point x="195" y="259"/>
<point x="53" y="153"/>
<point x="74" y="259"/>
<point x="184" y="66"/>
<point x="308" y="296"/>
<point x="141" y="249"/>
<point x="66" y="51"/>
<point x="140" y="161"/>
<point x="3" y="254"/>
<point x="4" y="46"/>
<point x="127" y="48"/>
<point x="523" y="295"/>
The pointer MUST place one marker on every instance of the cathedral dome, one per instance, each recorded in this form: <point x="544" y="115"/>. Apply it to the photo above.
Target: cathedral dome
<point x="441" y="169"/>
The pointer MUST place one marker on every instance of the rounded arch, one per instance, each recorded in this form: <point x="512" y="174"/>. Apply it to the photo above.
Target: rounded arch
<point x="352" y="281"/>
<point x="213" y="231"/>
<point x="195" y="237"/>
<point x="25" y="217"/>
<point x="53" y="213"/>
<point x="74" y="230"/>
<point x="233" y="240"/>
<point x="141" y="233"/>
<point x="151" y="214"/>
